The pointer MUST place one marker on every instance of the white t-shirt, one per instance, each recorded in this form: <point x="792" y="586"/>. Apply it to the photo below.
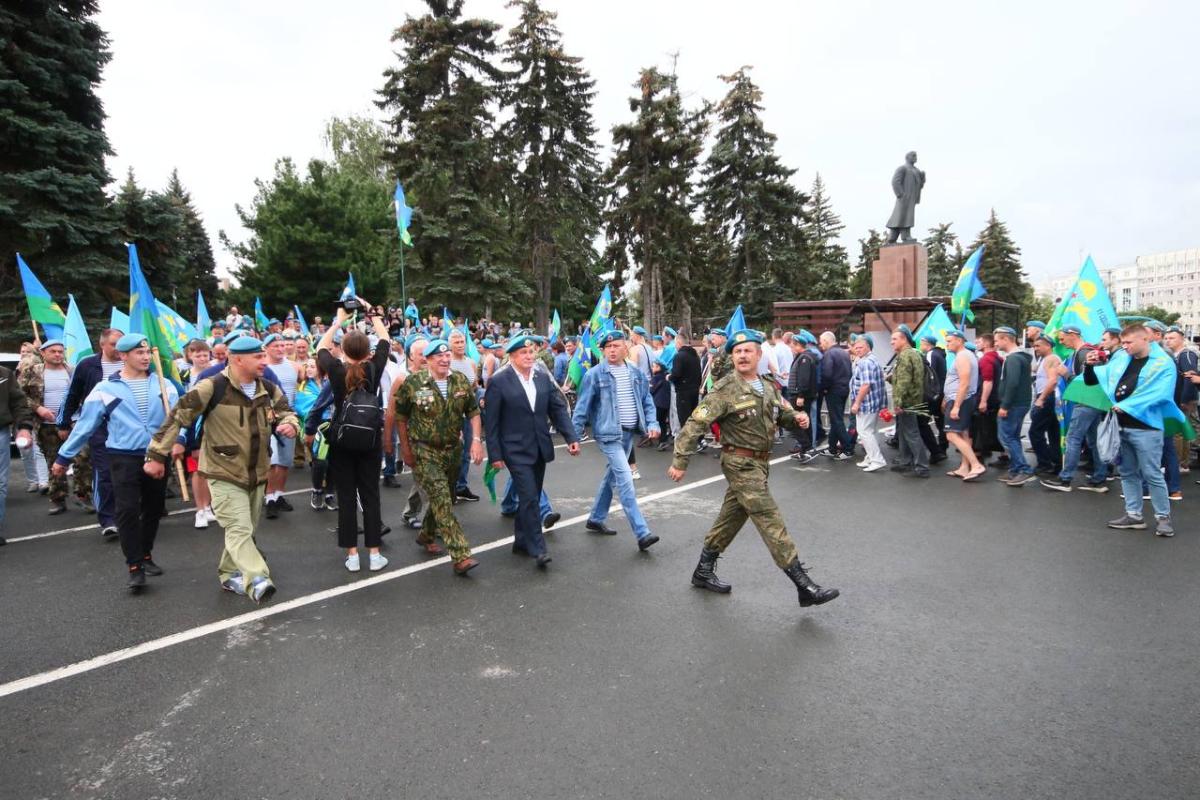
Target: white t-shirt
<point x="783" y="358"/>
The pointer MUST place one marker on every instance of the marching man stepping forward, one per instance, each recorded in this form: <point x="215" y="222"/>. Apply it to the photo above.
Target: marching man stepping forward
<point x="748" y="410"/>
<point x="431" y="406"/>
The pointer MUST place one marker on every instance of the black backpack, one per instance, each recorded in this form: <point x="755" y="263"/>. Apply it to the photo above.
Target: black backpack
<point x="359" y="425"/>
<point x="933" y="387"/>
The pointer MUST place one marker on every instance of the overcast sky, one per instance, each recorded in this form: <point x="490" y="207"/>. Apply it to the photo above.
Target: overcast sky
<point x="1079" y="123"/>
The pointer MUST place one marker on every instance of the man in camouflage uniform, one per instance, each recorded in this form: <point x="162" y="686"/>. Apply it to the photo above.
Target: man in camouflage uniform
<point x="430" y="408"/>
<point x="719" y="363"/>
<point x="32" y="380"/>
<point x="748" y="410"/>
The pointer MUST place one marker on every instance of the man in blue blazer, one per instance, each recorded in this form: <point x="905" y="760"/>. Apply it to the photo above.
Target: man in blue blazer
<point x="518" y="406"/>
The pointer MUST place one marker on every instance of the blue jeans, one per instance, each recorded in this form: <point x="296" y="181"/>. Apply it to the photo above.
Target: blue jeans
<point x="5" y="461"/>
<point x="618" y="474"/>
<point x="389" y="459"/>
<point x="510" y="502"/>
<point x="1084" y="422"/>
<point x="1141" y="463"/>
<point x="840" y="439"/>
<point x="1009" y="429"/>
<point x="465" y="467"/>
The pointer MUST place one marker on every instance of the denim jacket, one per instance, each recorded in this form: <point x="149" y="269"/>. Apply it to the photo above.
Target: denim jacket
<point x="597" y="404"/>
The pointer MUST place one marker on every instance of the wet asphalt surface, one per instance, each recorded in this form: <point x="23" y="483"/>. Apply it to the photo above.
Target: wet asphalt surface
<point x="989" y="642"/>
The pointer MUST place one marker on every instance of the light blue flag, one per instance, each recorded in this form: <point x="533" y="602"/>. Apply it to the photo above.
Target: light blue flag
<point x="447" y="322"/>
<point x="472" y="351"/>
<point x="203" y="322"/>
<point x="737" y="322"/>
<point x="260" y="317"/>
<point x="144" y="317"/>
<point x="303" y="323"/>
<point x="555" y="327"/>
<point x="349" y="292"/>
<point x="119" y="320"/>
<point x="178" y="330"/>
<point x="75" y="336"/>
<point x="1086" y="306"/>
<point x="938" y="324"/>
<point x="403" y="215"/>
<point x="968" y="289"/>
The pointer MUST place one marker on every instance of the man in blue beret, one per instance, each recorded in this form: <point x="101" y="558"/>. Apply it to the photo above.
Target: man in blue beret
<point x="1033" y="329"/>
<point x="614" y="401"/>
<point x="131" y="406"/>
<point x="748" y="409"/>
<point x="640" y="352"/>
<point x="912" y="408"/>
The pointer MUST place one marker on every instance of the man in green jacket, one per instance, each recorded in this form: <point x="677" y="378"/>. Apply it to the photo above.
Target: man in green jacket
<point x="234" y="456"/>
<point x="908" y="395"/>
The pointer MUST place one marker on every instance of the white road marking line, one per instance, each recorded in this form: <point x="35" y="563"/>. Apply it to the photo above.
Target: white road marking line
<point x="95" y="528"/>
<point x="162" y="643"/>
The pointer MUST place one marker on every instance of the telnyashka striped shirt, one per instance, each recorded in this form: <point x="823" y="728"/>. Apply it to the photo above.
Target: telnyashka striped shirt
<point x="141" y="393"/>
<point x="55" y="383"/>
<point x="626" y="402"/>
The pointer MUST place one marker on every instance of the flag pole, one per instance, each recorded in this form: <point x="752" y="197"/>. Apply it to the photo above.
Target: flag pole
<point x="162" y="393"/>
<point x="36" y="340"/>
<point x="403" y="290"/>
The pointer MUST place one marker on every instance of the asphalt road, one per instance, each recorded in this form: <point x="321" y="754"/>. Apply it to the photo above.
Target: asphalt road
<point x="989" y="643"/>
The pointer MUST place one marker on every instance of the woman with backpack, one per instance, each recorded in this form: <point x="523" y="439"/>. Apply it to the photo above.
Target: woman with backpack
<point x="356" y="433"/>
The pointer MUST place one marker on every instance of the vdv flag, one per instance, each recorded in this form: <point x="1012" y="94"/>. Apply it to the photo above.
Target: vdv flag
<point x="203" y="321"/>
<point x="968" y="289"/>
<point x="42" y="307"/>
<point x="938" y="324"/>
<point x="403" y="215"/>
<point x="349" y="292"/>
<point x="737" y="322"/>
<point x="260" y="318"/>
<point x="143" y="317"/>
<point x="1086" y="306"/>
<point x="75" y="336"/>
<point x="602" y="311"/>
<point x="119" y="319"/>
<point x="555" y="327"/>
<point x="303" y="324"/>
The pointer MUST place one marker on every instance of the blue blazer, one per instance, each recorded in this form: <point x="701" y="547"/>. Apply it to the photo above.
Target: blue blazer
<point x="515" y="433"/>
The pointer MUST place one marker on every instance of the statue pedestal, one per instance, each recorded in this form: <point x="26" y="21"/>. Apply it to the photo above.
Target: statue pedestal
<point x="901" y="271"/>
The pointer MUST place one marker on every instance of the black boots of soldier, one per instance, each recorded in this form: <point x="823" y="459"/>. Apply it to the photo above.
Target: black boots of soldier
<point x="810" y="593"/>
<point x="705" y="575"/>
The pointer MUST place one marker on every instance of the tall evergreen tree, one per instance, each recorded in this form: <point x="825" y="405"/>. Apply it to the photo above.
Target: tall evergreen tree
<point x="442" y="99"/>
<point x="1000" y="269"/>
<point x="945" y="259"/>
<point x="151" y="221"/>
<point x="868" y="254"/>
<point x="193" y="248"/>
<point x="749" y="201"/>
<point x="53" y="209"/>
<point x="827" y="258"/>
<point x="651" y="198"/>
<point x="549" y="138"/>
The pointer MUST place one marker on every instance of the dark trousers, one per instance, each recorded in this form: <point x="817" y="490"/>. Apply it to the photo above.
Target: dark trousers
<point x="840" y="440"/>
<point x="1043" y="434"/>
<point x="102" y="472"/>
<point x="913" y="452"/>
<point x="356" y="476"/>
<point x="929" y="437"/>
<point x="685" y="403"/>
<point x="139" y="501"/>
<point x="464" y="466"/>
<point x="986" y="440"/>
<point x="664" y="421"/>
<point x="320" y="475"/>
<point x="527" y="525"/>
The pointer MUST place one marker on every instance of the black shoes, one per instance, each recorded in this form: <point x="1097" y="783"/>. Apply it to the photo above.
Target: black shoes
<point x="391" y="482"/>
<point x="705" y="575"/>
<point x="550" y="520"/>
<point x="543" y="560"/>
<point x="150" y="568"/>
<point x="599" y="527"/>
<point x="466" y="494"/>
<point x="109" y="532"/>
<point x="810" y="593"/>
<point x="645" y="542"/>
<point x="283" y="504"/>
<point x="272" y="509"/>
<point x="57" y="508"/>
<point x="331" y="502"/>
<point x="137" y="578"/>
<point x="1056" y="484"/>
<point x="3" y="541"/>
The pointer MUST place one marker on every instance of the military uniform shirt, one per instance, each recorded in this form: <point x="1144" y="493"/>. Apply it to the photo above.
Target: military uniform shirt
<point x="432" y="418"/>
<point x="748" y="419"/>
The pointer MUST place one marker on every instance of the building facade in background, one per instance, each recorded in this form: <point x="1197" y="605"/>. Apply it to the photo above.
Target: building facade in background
<point x="1168" y="280"/>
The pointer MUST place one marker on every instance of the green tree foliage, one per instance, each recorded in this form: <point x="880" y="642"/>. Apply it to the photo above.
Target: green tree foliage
<point x="828" y="262"/>
<point x="945" y="259"/>
<point x="549" y="140"/>
<point x="1000" y="269"/>
<point x="651" y="198"/>
<point x="868" y="254"/>
<point x="52" y="147"/>
<point x="441" y="101"/>
<point x="750" y="202"/>
<point x="198" y="269"/>
<point x="307" y="230"/>
<point x="1154" y="312"/>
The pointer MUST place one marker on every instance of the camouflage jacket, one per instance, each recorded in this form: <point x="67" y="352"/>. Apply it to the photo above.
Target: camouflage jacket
<point x="31" y="377"/>
<point x="908" y="379"/>
<point x="747" y="419"/>
<point x="721" y="365"/>
<point x="433" y="419"/>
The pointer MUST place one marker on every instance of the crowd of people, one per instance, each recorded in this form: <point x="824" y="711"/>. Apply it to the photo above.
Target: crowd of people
<point x="378" y="390"/>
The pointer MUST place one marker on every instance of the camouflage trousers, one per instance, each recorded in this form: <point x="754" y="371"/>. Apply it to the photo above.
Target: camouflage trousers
<point x="436" y="471"/>
<point x="81" y="481"/>
<point x="748" y="496"/>
<point x="47" y="437"/>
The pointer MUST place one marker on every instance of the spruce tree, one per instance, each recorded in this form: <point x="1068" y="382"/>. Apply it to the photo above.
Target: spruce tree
<point x="1000" y="269"/>
<point x="750" y="202"/>
<point x="651" y="198"/>
<point x="193" y="248"/>
<point x="150" y="221"/>
<point x="827" y="259"/>
<point x="53" y="209"/>
<point x="442" y="100"/>
<point x="549" y="139"/>
<point x="945" y="259"/>
<point x="868" y="254"/>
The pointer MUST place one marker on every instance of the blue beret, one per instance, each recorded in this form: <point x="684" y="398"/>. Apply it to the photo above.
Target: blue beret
<point x="1046" y="339"/>
<point x="412" y="339"/>
<point x="230" y="337"/>
<point x="1068" y="329"/>
<point x="271" y="338"/>
<point x="273" y="321"/>
<point x="1174" y="329"/>
<point x="669" y="331"/>
<point x="1155" y="325"/>
<point x="54" y="343"/>
<point x="929" y="337"/>
<point x="518" y="342"/>
<point x="244" y="345"/>
<point x="744" y="336"/>
<point x="1035" y="323"/>
<point x="488" y="344"/>
<point x="957" y="334"/>
<point x="908" y="334"/>
<point x="657" y="338"/>
<point x="1007" y="331"/>
<point x="970" y="346"/>
<point x="246" y="324"/>
<point x="436" y="346"/>
<point x="131" y="341"/>
<point x="718" y="332"/>
<point x="865" y="337"/>
<point x="611" y="336"/>
<point x="1115" y="331"/>
<point x="639" y="330"/>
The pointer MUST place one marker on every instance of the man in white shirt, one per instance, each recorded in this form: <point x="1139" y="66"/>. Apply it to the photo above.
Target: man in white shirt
<point x="783" y="353"/>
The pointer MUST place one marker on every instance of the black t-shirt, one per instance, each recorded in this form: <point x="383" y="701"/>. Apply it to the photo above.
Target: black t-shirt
<point x="1125" y="387"/>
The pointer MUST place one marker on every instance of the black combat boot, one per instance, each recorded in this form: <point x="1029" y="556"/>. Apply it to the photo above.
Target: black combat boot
<point x="705" y="575"/>
<point x="810" y="593"/>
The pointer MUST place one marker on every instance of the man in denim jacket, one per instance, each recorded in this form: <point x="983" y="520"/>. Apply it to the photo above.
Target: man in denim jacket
<point x="615" y="401"/>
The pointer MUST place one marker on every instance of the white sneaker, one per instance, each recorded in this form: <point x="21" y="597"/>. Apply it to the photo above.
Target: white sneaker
<point x="212" y="516"/>
<point x="864" y="463"/>
<point x="637" y="476"/>
<point x="378" y="561"/>
<point x="201" y="519"/>
<point x="33" y="488"/>
<point x="874" y="467"/>
<point x="353" y="564"/>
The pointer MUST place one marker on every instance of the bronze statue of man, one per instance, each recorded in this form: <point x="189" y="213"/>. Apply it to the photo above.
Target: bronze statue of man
<point x="907" y="183"/>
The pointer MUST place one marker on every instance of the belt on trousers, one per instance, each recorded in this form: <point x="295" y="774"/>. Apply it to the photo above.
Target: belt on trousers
<point x="433" y="446"/>
<point x="745" y="452"/>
